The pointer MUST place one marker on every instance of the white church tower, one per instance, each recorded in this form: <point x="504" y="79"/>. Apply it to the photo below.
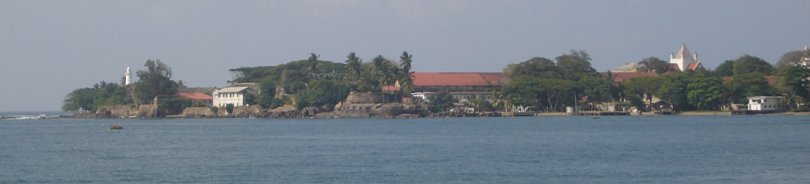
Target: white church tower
<point x="127" y="77"/>
<point x="684" y="59"/>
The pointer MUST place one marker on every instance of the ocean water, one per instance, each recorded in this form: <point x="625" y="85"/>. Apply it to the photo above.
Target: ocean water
<point x="651" y="149"/>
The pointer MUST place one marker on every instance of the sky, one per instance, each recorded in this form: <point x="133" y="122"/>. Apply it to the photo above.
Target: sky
<point x="49" y="48"/>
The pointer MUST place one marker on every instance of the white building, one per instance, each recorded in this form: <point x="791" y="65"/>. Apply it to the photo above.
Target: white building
<point x="232" y="95"/>
<point x="128" y="77"/>
<point x="765" y="103"/>
<point x="806" y="59"/>
<point x="685" y="60"/>
<point x="627" y="68"/>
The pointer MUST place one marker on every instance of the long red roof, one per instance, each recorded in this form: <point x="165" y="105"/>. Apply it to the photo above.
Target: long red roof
<point x="693" y="66"/>
<point x="622" y="76"/>
<point x="772" y="80"/>
<point x="195" y="96"/>
<point x="458" y="79"/>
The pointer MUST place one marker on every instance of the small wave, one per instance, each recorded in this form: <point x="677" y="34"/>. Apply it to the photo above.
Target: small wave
<point x="28" y="117"/>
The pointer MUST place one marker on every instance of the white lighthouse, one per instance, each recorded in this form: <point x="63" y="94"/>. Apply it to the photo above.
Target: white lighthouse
<point x="806" y="59"/>
<point x="127" y="77"/>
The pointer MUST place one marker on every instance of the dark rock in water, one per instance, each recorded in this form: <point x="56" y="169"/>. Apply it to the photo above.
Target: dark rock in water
<point x="116" y="127"/>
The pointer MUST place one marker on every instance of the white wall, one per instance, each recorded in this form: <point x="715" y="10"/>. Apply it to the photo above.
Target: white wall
<point x="223" y="99"/>
<point x="767" y="103"/>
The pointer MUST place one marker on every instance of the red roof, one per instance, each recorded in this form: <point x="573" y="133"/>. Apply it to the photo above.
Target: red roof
<point x="619" y="77"/>
<point x="195" y="96"/>
<point x="458" y="79"/>
<point x="693" y="66"/>
<point x="772" y="80"/>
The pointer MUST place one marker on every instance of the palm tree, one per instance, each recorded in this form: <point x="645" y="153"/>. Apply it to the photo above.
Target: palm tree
<point x="497" y="100"/>
<point x="353" y="68"/>
<point x="381" y="70"/>
<point x="405" y="62"/>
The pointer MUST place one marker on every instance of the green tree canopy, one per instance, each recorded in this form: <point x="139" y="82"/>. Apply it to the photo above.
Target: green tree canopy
<point x="595" y="88"/>
<point x="639" y="89"/>
<point x="653" y="64"/>
<point x="748" y="64"/>
<point x="386" y="71"/>
<point x="544" y="84"/>
<point x="559" y="93"/>
<point x="324" y="94"/>
<point x="725" y="69"/>
<point x="526" y="91"/>
<point x="791" y="58"/>
<point x="534" y="67"/>
<point x="154" y="82"/>
<point x="441" y="102"/>
<point x="748" y="85"/>
<point x="267" y="96"/>
<point x="793" y="82"/>
<point x="90" y="99"/>
<point x="575" y="64"/>
<point x="674" y="89"/>
<point x="706" y="92"/>
<point x="294" y="76"/>
<point x="354" y="70"/>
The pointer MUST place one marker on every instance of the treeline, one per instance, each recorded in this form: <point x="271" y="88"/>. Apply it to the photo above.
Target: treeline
<point x="155" y="85"/>
<point x="550" y="85"/>
<point x="545" y="84"/>
<point x="319" y="83"/>
<point x="306" y="83"/>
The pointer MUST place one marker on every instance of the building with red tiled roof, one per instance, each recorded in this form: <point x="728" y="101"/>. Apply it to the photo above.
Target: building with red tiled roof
<point x="194" y="96"/>
<point x="694" y="66"/>
<point x="457" y="79"/>
<point x="462" y="85"/>
<point x="623" y="76"/>
<point x="772" y="80"/>
<point x="197" y="97"/>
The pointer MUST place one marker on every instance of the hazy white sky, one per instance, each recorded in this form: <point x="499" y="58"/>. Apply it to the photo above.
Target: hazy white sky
<point x="49" y="48"/>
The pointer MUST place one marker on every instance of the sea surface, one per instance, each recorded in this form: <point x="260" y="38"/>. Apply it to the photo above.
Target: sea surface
<point x="649" y="149"/>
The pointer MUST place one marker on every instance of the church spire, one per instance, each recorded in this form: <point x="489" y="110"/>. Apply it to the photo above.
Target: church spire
<point x="684" y="59"/>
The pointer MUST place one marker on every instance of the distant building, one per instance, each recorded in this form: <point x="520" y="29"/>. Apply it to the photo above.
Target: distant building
<point x="197" y="97"/>
<point x="464" y="86"/>
<point x="251" y="85"/>
<point x="623" y="76"/>
<point x="627" y="68"/>
<point x="765" y="103"/>
<point x="685" y="60"/>
<point x="237" y="96"/>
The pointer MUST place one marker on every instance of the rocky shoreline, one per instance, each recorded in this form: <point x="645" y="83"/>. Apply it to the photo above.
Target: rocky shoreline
<point x="291" y="113"/>
<point x="356" y="105"/>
